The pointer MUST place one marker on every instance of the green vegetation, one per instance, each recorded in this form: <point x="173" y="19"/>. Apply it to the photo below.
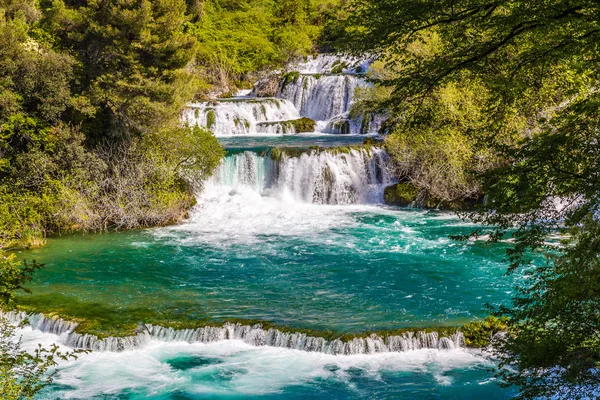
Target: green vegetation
<point x="211" y="118"/>
<point x="303" y="125"/>
<point x="400" y="194"/>
<point x="238" y="38"/>
<point x="290" y="77"/>
<point x="480" y="333"/>
<point x="501" y="98"/>
<point x="90" y="136"/>
<point x="22" y="374"/>
<point x="91" y="96"/>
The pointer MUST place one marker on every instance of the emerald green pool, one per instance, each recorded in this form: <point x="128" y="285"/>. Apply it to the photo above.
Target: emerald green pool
<point x="346" y="269"/>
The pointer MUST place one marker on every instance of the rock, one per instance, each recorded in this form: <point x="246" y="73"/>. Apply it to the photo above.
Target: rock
<point x="303" y="125"/>
<point x="400" y="194"/>
<point x="267" y="86"/>
<point x="341" y="127"/>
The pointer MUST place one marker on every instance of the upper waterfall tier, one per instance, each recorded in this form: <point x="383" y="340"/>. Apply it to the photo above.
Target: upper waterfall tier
<point x="239" y="116"/>
<point x="318" y="177"/>
<point x="320" y="88"/>
<point x="330" y="63"/>
<point x="321" y="97"/>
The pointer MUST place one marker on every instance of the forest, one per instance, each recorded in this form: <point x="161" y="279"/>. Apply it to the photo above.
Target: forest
<point x="91" y="98"/>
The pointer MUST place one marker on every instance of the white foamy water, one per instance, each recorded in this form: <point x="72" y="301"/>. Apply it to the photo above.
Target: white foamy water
<point x="241" y="116"/>
<point x="318" y="177"/>
<point x="231" y="368"/>
<point x="325" y="63"/>
<point x="252" y="196"/>
<point x="322" y="98"/>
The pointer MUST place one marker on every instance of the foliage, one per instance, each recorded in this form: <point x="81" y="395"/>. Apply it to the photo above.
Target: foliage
<point x="480" y="333"/>
<point x="289" y="77"/>
<point x="400" y="194"/>
<point x="90" y="136"/>
<point x="239" y="38"/>
<point x="23" y="373"/>
<point x="13" y="277"/>
<point x="132" y="76"/>
<point x="303" y="125"/>
<point x="533" y="69"/>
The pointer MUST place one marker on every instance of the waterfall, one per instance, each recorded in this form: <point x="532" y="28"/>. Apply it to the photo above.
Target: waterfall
<point x="255" y="335"/>
<point x="238" y="116"/>
<point x="356" y="176"/>
<point x="328" y="63"/>
<point x="321" y="97"/>
<point x="323" y="91"/>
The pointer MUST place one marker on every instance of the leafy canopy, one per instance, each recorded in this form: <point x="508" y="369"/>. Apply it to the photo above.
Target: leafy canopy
<point x="536" y="66"/>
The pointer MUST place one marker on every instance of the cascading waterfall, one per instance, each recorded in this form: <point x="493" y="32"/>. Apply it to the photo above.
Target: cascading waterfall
<point x="323" y="91"/>
<point x="357" y="176"/>
<point x="327" y="63"/>
<point x="254" y="335"/>
<point x="239" y="116"/>
<point x="322" y="97"/>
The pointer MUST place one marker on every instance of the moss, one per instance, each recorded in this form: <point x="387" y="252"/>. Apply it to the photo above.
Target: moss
<point x="211" y="118"/>
<point x="226" y="95"/>
<point x="479" y="333"/>
<point x="371" y="141"/>
<point x="303" y="125"/>
<point x="290" y="77"/>
<point x="443" y="331"/>
<point x="93" y="318"/>
<point x="241" y="122"/>
<point x="365" y="125"/>
<point x="317" y="76"/>
<point x="102" y="320"/>
<point x="400" y="194"/>
<point x="278" y="153"/>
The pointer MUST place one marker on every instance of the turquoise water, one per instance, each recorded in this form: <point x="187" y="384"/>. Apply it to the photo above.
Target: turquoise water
<point x="259" y="253"/>
<point x="300" y="140"/>
<point x="346" y="269"/>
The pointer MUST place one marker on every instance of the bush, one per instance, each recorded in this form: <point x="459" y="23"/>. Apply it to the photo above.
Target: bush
<point x="480" y="333"/>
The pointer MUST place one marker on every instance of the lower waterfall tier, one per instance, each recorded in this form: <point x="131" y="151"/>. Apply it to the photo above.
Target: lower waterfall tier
<point x="355" y="176"/>
<point x="254" y="335"/>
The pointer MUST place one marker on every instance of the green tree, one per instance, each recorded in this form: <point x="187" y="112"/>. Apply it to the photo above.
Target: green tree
<point x="87" y="89"/>
<point x="536" y="63"/>
<point x="133" y="57"/>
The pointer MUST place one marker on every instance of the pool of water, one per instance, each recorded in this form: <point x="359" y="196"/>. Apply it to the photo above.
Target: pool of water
<point x="249" y="142"/>
<point x="257" y="247"/>
<point x="340" y="268"/>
